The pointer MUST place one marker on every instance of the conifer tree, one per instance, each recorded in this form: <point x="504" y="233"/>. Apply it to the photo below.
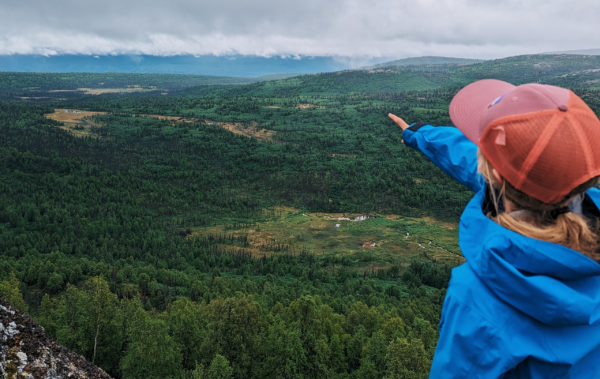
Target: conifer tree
<point x="407" y="360"/>
<point x="9" y="291"/>
<point x="151" y="352"/>
<point x="219" y="369"/>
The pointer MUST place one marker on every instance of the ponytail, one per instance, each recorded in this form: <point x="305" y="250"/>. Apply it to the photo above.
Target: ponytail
<point x="566" y="228"/>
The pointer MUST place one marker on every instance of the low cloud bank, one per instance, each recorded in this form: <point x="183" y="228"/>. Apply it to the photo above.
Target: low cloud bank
<point x="340" y="28"/>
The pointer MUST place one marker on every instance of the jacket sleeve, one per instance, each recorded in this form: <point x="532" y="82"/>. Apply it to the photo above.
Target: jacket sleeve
<point x="468" y="346"/>
<point x="448" y="149"/>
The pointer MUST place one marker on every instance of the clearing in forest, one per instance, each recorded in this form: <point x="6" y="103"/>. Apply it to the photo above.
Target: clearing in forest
<point x="76" y="121"/>
<point x="251" y="131"/>
<point x="100" y="91"/>
<point x="368" y="241"/>
<point x="306" y="106"/>
<point x="173" y="119"/>
<point x="297" y="106"/>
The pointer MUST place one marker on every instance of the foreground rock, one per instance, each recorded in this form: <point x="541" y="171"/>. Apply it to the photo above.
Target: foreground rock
<point x="26" y="351"/>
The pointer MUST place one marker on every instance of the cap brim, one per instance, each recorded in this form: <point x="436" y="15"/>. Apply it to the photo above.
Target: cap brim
<point x="469" y="104"/>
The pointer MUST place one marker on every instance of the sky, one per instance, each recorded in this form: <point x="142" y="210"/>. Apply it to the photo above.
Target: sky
<point x="347" y="29"/>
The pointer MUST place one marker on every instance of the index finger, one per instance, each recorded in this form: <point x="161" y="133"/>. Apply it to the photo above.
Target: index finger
<point x="401" y="123"/>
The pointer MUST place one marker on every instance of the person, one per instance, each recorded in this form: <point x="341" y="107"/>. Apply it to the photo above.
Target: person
<point x="527" y="302"/>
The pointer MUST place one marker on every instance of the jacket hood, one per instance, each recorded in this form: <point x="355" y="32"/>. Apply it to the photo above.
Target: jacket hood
<point x="549" y="282"/>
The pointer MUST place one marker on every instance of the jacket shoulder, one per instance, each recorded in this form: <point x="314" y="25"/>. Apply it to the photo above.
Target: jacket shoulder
<point x="467" y="288"/>
<point x="471" y="345"/>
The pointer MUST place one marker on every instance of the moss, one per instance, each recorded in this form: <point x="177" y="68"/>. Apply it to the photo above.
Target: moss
<point x="12" y="363"/>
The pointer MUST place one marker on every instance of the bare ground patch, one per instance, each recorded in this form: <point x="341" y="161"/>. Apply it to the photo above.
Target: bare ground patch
<point x="173" y="119"/>
<point x="447" y="225"/>
<point x="76" y="121"/>
<point x="297" y="106"/>
<point x="100" y="91"/>
<point x="72" y="116"/>
<point x="306" y="106"/>
<point x="252" y="131"/>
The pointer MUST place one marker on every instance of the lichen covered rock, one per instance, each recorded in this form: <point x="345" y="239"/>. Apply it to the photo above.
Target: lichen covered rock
<point x="26" y="351"/>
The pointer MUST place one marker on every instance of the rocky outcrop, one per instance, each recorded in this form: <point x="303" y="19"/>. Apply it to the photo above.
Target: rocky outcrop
<point x="26" y="351"/>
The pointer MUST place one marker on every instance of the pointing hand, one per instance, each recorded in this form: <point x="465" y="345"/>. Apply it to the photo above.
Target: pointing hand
<point x="401" y="123"/>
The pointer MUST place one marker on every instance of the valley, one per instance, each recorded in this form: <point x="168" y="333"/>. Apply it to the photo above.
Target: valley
<point x="253" y="223"/>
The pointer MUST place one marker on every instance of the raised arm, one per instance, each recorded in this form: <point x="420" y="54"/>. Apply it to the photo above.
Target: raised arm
<point x="447" y="148"/>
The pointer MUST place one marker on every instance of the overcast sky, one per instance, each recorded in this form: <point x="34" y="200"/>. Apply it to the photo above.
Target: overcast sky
<point x="344" y="28"/>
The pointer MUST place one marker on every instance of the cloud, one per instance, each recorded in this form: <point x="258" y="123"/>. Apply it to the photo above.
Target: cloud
<point x="342" y="28"/>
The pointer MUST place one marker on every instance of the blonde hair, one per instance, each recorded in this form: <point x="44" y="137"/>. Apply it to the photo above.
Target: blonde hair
<point x="568" y="229"/>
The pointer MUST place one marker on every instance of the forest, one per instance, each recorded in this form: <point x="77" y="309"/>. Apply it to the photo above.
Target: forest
<point x="208" y="227"/>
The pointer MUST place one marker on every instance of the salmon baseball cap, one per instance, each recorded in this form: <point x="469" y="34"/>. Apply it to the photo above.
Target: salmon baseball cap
<point x="544" y="140"/>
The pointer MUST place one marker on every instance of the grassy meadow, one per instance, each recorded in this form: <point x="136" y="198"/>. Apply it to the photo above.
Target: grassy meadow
<point x="376" y="242"/>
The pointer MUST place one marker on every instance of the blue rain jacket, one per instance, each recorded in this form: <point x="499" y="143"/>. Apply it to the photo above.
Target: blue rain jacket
<point x="519" y="307"/>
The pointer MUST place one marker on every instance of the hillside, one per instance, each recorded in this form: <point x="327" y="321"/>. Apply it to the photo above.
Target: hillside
<point x="26" y="351"/>
<point x="425" y="61"/>
<point x="173" y="220"/>
<point x="173" y="210"/>
<point x="41" y="82"/>
<point x="577" y="52"/>
<point x="571" y="71"/>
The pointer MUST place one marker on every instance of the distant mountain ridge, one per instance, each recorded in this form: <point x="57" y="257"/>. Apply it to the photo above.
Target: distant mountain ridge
<point x="577" y="52"/>
<point x="11" y="80"/>
<point x="427" y="60"/>
<point x="568" y="71"/>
